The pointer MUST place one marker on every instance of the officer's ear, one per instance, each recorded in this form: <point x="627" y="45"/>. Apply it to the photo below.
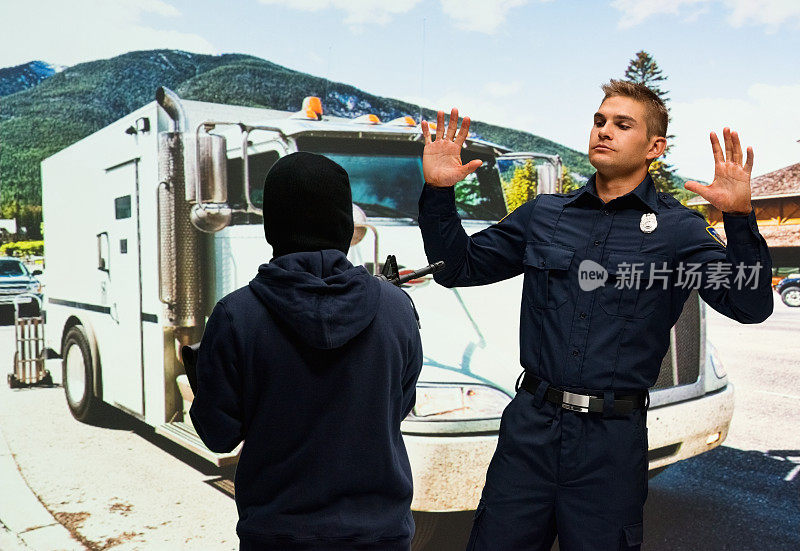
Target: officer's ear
<point x="657" y="146"/>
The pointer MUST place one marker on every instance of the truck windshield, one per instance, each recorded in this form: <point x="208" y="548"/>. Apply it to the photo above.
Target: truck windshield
<point x="11" y="268"/>
<point x="386" y="178"/>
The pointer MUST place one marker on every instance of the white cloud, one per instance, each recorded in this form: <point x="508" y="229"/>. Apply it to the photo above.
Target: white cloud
<point x="358" y="13"/>
<point x="771" y="13"/>
<point x="484" y="16"/>
<point x="768" y="119"/>
<point x="82" y="30"/>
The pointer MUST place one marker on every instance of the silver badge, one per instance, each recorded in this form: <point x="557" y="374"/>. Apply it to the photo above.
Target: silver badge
<point x="648" y="222"/>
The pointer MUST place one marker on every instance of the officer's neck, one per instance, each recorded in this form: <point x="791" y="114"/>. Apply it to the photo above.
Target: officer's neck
<point x="611" y="186"/>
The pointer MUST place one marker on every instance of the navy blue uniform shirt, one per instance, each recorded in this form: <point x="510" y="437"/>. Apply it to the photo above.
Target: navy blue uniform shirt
<point x="612" y="337"/>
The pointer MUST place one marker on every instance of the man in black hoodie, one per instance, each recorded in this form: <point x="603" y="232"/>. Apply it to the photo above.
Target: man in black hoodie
<point x="314" y="365"/>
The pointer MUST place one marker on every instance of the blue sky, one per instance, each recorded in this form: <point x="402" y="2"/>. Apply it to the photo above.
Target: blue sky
<point x="528" y="64"/>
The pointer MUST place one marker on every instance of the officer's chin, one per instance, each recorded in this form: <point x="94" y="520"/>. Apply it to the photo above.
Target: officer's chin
<point x="602" y="162"/>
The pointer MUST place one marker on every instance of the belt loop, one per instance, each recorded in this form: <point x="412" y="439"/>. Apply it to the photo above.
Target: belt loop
<point x="516" y="385"/>
<point x="608" y="403"/>
<point x="538" y="397"/>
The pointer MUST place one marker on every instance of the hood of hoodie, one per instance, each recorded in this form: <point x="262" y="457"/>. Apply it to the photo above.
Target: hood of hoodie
<point x="319" y="295"/>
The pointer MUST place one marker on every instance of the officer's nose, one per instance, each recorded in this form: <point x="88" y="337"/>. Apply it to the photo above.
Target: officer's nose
<point x="604" y="133"/>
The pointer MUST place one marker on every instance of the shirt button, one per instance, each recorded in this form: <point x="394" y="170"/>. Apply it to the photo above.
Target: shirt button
<point x="583" y="315"/>
<point x="605" y="212"/>
<point x="575" y="352"/>
<point x="596" y="243"/>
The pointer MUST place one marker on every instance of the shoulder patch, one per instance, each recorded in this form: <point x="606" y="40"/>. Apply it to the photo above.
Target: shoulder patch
<point x="713" y="233"/>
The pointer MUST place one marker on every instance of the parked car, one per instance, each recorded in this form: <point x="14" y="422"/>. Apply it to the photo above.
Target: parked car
<point x="789" y="290"/>
<point x="16" y="279"/>
<point x="781" y="272"/>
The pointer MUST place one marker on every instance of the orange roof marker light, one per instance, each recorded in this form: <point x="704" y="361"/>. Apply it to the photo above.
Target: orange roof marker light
<point x="402" y="121"/>
<point x="311" y="110"/>
<point x="367" y="119"/>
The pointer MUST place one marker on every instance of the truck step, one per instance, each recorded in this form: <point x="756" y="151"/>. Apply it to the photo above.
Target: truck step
<point x="184" y="435"/>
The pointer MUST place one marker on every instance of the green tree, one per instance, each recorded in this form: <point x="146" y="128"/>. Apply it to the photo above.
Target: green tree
<point x="568" y="182"/>
<point x="643" y="69"/>
<point x="521" y="187"/>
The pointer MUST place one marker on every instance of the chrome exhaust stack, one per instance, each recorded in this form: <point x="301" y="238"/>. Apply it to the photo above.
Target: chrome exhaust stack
<point x="180" y="243"/>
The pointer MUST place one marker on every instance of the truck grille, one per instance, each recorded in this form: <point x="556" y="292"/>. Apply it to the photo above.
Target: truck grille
<point x="684" y="353"/>
<point x="13" y="289"/>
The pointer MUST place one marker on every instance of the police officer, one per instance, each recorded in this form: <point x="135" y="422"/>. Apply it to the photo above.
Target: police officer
<point x="571" y="456"/>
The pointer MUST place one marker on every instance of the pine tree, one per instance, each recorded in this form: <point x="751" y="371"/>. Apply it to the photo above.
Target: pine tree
<point x="643" y="69"/>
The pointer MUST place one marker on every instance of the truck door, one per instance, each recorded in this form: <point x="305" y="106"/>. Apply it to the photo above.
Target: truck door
<point x="122" y="347"/>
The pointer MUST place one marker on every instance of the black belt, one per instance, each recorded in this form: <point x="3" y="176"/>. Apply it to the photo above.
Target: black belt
<point x="623" y="403"/>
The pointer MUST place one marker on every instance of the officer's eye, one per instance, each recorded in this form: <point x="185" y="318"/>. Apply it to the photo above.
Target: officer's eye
<point x="598" y="123"/>
<point x="623" y="126"/>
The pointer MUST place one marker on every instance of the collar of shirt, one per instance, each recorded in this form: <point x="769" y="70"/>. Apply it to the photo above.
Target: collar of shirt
<point x="645" y="194"/>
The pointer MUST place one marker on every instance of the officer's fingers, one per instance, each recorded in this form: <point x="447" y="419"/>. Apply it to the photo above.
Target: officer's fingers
<point x="463" y="132"/>
<point x="439" y="125"/>
<point x="737" y="148"/>
<point x="426" y="131"/>
<point x="748" y="165"/>
<point x="453" y="124"/>
<point x="726" y="135"/>
<point x="695" y="187"/>
<point x="470" y="167"/>
<point x="716" y="149"/>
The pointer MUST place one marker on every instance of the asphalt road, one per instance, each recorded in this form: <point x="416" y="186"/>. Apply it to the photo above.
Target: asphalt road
<point x="121" y="486"/>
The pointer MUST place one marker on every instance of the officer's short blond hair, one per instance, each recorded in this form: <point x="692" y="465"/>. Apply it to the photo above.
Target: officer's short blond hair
<point x="656" y="115"/>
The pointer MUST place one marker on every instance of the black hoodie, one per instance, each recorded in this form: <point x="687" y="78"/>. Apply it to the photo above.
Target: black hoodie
<point x="314" y="365"/>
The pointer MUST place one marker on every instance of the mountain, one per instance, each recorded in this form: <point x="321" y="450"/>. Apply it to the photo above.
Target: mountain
<point x="27" y="75"/>
<point x="63" y="108"/>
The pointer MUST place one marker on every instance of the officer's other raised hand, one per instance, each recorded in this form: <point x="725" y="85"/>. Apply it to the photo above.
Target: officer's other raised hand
<point x="730" y="190"/>
<point x="441" y="158"/>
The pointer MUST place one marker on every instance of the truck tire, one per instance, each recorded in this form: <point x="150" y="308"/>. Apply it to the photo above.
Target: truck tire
<point x="791" y="296"/>
<point x="77" y="377"/>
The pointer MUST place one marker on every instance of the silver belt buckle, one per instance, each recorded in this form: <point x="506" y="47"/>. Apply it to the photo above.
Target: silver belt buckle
<point x="575" y="402"/>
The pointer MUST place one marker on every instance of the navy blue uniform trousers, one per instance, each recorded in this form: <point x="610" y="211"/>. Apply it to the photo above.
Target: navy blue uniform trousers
<point x="581" y="475"/>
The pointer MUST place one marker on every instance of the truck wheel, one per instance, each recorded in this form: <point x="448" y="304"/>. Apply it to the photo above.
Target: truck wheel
<point x="791" y="296"/>
<point x="77" y="377"/>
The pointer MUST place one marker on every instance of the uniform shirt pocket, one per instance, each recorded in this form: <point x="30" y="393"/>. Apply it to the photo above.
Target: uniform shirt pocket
<point x="636" y="284"/>
<point x="546" y="273"/>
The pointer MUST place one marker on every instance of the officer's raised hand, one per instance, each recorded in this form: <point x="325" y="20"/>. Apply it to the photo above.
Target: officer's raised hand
<point x="730" y="190"/>
<point x="441" y="158"/>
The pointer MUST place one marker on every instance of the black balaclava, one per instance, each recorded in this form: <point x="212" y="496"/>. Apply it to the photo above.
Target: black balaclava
<point x="307" y="205"/>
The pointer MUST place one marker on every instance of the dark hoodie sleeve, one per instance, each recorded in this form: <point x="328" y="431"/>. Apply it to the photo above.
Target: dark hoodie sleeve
<point x="411" y="374"/>
<point x="216" y="409"/>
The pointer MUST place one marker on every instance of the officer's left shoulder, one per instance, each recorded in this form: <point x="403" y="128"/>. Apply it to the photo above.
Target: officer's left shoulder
<point x="669" y="203"/>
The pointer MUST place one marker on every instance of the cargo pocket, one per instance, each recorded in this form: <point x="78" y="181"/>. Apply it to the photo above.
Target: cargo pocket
<point x="546" y="273"/>
<point x="632" y="537"/>
<point x="636" y="284"/>
<point x="476" y="524"/>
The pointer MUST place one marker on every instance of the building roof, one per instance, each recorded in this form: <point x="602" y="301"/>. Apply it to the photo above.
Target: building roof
<point x="784" y="182"/>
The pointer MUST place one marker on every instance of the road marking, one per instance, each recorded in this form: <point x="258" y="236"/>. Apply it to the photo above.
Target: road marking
<point x="795" y="396"/>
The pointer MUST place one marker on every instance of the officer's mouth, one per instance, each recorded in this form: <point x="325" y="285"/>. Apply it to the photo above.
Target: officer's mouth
<point x="601" y="147"/>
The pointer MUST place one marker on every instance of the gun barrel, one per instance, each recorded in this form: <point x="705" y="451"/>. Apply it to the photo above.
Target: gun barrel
<point x="432" y="268"/>
<point x="189" y="359"/>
